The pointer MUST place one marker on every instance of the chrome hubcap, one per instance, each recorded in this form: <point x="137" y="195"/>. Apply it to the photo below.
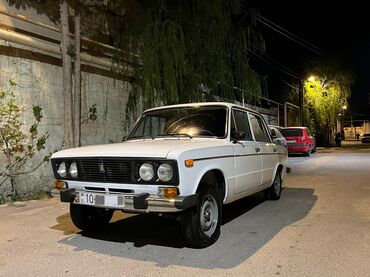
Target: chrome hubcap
<point x="209" y="215"/>
<point x="277" y="184"/>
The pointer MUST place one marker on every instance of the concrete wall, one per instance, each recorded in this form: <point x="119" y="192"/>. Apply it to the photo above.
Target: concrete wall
<point x="40" y="83"/>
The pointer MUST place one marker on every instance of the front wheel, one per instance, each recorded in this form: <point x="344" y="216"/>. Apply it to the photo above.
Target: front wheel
<point x="274" y="191"/>
<point x="89" y="218"/>
<point x="201" y="225"/>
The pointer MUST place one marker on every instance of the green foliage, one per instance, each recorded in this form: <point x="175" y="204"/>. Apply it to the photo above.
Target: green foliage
<point x="324" y="99"/>
<point x="16" y="145"/>
<point x="91" y="115"/>
<point x="190" y="51"/>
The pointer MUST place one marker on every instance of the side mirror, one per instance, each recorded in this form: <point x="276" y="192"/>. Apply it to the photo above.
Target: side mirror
<point x="238" y="136"/>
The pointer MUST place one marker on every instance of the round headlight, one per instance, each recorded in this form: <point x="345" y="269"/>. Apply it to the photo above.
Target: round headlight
<point x="146" y="172"/>
<point x="62" y="169"/>
<point x="165" y="172"/>
<point x="73" y="170"/>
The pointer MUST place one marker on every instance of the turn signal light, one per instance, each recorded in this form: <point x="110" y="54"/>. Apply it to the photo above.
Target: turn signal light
<point x="168" y="192"/>
<point x="61" y="184"/>
<point x="189" y="163"/>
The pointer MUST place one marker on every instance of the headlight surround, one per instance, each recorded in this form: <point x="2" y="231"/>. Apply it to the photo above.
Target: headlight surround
<point x="73" y="171"/>
<point x="62" y="169"/>
<point x="146" y="172"/>
<point x="165" y="172"/>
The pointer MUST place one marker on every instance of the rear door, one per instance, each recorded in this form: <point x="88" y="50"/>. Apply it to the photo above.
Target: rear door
<point x="267" y="149"/>
<point x="248" y="161"/>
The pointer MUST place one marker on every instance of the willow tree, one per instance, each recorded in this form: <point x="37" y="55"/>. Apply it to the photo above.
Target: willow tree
<point x="190" y="50"/>
<point x="324" y="97"/>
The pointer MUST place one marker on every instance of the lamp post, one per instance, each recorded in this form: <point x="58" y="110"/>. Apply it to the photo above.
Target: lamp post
<point x="312" y="78"/>
<point x="344" y="109"/>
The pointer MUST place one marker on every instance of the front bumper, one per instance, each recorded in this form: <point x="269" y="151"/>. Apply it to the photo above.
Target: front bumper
<point x="141" y="202"/>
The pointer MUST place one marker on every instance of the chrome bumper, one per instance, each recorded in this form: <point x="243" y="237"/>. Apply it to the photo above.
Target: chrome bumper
<point x="142" y="202"/>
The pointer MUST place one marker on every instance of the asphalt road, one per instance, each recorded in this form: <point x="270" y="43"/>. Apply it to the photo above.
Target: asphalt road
<point x="320" y="227"/>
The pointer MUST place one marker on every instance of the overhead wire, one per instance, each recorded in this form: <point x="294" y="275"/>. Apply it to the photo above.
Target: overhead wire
<point x="277" y="65"/>
<point x="291" y="34"/>
<point x="294" y="38"/>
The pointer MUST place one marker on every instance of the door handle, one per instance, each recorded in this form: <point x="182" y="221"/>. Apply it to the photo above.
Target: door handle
<point x="257" y="149"/>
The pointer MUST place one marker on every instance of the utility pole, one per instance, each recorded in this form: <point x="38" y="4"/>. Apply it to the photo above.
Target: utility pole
<point x="300" y="100"/>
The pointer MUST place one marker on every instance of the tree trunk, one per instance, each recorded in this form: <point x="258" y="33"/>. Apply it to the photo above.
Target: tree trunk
<point x="67" y="76"/>
<point x="77" y="79"/>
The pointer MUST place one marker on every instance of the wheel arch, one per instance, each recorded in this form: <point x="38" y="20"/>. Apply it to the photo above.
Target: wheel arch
<point x="214" y="176"/>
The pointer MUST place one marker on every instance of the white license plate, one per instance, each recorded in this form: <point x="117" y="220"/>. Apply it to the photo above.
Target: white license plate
<point x="89" y="198"/>
<point x="291" y="141"/>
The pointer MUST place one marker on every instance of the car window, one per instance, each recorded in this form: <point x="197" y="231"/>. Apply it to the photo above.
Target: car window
<point x="308" y="132"/>
<point x="292" y="132"/>
<point x="277" y="132"/>
<point x="240" y="123"/>
<point x="259" y="130"/>
<point x="273" y="133"/>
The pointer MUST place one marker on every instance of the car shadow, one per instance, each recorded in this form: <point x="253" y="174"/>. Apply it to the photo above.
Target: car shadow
<point x="248" y="224"/>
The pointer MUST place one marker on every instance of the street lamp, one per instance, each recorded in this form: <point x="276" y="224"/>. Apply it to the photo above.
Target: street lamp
<point x="311" y="78"/>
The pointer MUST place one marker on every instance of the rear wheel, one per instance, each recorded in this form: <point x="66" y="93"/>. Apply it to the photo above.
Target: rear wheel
<point x="201" y="224"/>
<point x="274" y="191"/>
<point x="89" y="218"/>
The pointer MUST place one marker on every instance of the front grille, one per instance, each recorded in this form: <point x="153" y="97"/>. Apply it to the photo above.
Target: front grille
<point x="113" y="169"/>
<point x="105" y="170"/>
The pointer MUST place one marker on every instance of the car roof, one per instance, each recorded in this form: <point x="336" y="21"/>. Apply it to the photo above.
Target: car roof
<point x="226" y="104"/>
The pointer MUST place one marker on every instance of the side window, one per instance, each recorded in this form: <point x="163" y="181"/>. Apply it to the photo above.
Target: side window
<point x="308" y="132"/>
<point x="259" y="130"/>
<point x="240" y="123"/>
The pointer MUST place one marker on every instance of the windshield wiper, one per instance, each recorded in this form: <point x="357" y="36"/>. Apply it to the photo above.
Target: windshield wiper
<point x="174" y="135"/>
<point x="136" y="137"/>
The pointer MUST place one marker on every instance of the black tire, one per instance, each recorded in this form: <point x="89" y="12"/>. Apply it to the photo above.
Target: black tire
<point x="274" y="191"/>
<point x="89" y="218"/>
<point x="201" y="225"/>
<point x="308" y="153"/>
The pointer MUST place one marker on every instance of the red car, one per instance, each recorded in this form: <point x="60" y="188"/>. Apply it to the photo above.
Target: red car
<point x="299" y="140"/>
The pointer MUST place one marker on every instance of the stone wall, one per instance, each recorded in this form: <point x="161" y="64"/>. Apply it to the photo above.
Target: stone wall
<point x="40" y="83"/>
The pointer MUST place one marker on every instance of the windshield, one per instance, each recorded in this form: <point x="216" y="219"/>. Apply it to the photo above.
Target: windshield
<point x="201" y="121"/>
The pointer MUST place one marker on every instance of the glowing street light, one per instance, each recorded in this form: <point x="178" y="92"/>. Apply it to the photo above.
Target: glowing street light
<point x="312" y="78"/>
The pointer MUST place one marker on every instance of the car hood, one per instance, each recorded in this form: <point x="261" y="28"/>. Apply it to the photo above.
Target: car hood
<point x="154" y="148"/>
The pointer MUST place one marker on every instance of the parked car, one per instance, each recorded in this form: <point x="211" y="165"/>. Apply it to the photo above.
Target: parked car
<point x="277" y="136"/>
<point x="299" y="140"/>
<point x="185" y="160"/>
<point x="365" y="138"/>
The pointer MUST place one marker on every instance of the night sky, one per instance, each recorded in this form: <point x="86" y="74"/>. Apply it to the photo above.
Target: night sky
<point x="340" y="30"/>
